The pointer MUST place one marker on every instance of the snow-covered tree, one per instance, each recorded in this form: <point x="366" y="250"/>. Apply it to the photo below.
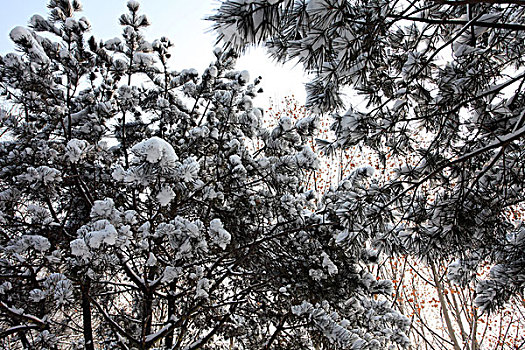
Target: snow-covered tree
<point x="143" y="207"/>
<point x="442" y="82"/>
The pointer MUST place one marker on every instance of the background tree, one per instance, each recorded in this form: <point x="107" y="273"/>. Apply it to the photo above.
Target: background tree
<point x="450" y="71"/>
<point x="142" y="207"/>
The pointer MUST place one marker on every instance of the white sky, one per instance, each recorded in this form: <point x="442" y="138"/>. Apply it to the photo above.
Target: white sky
<point x="180" y="20"/>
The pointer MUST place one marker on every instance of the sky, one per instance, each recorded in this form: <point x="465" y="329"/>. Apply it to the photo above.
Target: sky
<point x="182" y="21"/>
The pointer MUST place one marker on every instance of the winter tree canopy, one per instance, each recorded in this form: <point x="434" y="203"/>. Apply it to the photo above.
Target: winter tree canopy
<point x="144" y="207"/>
<point x="441" y="88"/>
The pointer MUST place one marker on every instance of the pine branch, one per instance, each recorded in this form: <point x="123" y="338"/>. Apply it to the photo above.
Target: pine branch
<point x="116" y="327"/>
<point x="508" y="26"/>
<point x="466" y="2"/>
<point x="501" y="142"/>
<point x="202" y="341"/>
<point x="19" y="314"/>
<point x="18" y="329"/>
<point x="278" y="330"/>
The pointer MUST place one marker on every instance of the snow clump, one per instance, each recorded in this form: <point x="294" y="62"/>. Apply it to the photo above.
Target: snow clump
<point x="102" y="208"/>
<point x="75" y="149"/>
<point x="79" y="248"/>
<point x="203" y="286"/>
<point x="25" y="38"/>
<point x="38" y="243"/>
<point x="171" y="273"/>
<point x="329" y="265"/>
<point x="218" y="234"/>
<point x="165" y="196"/>
<point x="156" y="151"/>
<point x="104" y="232"/>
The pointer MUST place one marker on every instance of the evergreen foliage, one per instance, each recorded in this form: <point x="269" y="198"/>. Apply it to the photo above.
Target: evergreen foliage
<point x="143" y="207"/>
<point x="443" y="86"/>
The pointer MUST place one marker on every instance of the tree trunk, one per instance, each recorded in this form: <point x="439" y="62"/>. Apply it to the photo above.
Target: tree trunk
<point x="444" y="307"/>
<point x="171" y="314"/>
<point x="86" y="315"/>
<point x="147" y="317"/>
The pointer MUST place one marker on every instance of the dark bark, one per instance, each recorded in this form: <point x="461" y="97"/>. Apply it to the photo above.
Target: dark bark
<point x="87" y="326"/>
<point x="147" y="318"/>
<point x="275" y="334"/>
<point x="171" y="314"/>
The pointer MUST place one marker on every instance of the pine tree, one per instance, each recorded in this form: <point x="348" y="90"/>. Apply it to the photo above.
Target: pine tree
<point x="442" y="82"/>
<point x="143" y="207"/>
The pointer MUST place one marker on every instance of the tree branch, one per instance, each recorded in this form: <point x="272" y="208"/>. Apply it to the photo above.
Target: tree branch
<point x="466" y="2"/>
<point x="18" y="329"/>
<point x="278" y="330"/>
<point x="444" y="308"/>
<point x="19" y="314"/>
<point x="502" y="141"/>
<point x="508" y="26"/>
<point x="112" y="323"/>
<point x="199" y="343"/>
